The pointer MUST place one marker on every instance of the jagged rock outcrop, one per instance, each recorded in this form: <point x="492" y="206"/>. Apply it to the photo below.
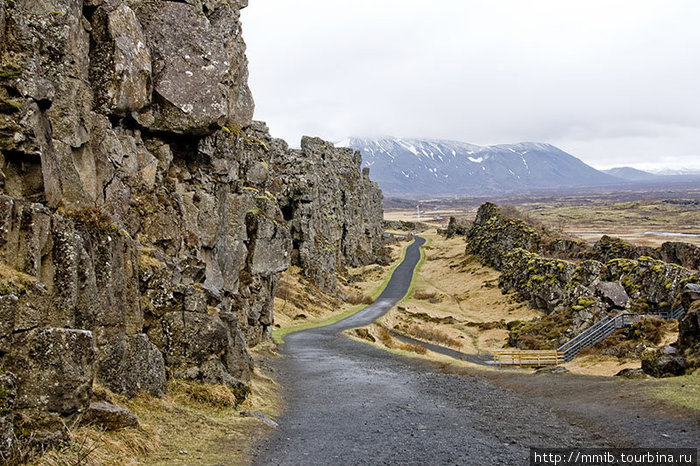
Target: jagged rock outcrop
<point x="684" y="254"/>
<point x="588" y="290"/>
<point x="144" y="217"/>
<point x="333" y="208"/>
<point x="455" y="228"/>
<point x="608" y="248"/>
<point x="652" y="285"/>
<point x="492" y="236"/>
<point x="684" y="355"/>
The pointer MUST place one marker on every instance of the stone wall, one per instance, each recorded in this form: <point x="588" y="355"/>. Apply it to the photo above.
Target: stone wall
<point x="144" y="217"/>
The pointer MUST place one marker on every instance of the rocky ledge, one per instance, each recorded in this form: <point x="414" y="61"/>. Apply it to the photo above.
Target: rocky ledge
<point x="577" y="292"/>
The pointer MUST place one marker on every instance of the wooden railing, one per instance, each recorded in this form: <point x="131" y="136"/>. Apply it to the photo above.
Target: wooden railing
<point x="521" y="358"/>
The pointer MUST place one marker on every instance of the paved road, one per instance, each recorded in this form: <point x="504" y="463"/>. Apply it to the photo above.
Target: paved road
<point x="352" y="403"/>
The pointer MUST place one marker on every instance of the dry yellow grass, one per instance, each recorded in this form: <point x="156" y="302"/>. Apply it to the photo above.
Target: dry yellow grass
<point x="193" y="424"/>
<point x="453" y="294"/>
<point x="379" y="336"/>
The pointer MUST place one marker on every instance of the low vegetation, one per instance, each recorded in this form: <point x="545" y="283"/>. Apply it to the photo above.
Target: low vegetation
<point x="380" y="336"/>
<point x="222" y="433"/>
<point x="683" y="390"/>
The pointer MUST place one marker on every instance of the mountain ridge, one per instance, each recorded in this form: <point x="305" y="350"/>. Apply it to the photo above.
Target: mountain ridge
<point x="412" y="166"/>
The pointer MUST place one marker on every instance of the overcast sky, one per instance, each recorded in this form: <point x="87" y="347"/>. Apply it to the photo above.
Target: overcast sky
<point x="612" y="82"/>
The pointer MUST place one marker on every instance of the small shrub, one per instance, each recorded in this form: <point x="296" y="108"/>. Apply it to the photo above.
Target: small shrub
<point x="355" y="297"/>
<point x="429" y="296"/>
<point x="432" y="334"/>
<point x="94" y="220"/>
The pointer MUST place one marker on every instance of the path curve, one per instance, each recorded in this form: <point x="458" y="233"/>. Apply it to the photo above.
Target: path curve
<point x="348" y="402"/>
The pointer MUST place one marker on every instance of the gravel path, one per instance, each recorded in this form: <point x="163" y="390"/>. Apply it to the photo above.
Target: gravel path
<point x="351" y="403"/>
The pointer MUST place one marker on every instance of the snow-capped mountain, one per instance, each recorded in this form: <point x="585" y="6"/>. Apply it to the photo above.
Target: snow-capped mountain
<point x="410" y="167"/>
<point x="683" y="171"/>
<point x="631" y="174"/>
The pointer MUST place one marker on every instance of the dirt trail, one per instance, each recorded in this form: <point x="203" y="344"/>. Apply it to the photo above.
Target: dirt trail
<point x="351" y="403"/>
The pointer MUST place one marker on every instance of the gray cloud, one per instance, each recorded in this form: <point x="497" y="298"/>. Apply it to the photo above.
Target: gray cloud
<point x="613" y="82"/>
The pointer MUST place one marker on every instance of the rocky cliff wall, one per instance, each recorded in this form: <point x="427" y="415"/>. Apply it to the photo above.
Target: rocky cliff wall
<point x="144" y="217"/>
<point x="333" y="209"/>
<point x="588" y="289"/>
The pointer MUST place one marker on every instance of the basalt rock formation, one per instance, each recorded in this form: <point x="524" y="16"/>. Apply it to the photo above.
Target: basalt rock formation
<point x="333" y="209"/>
<point x="144" y="217"/>
<point x="684" y="355"/>
<point x="586" y="290"/>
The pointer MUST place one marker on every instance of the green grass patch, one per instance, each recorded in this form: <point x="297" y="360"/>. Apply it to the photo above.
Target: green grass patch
<point x="683" y="390"/>
<point x="278" y="334"/>
<point x="420" y="263"/>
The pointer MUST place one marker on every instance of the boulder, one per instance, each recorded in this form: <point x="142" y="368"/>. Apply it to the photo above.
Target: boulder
<point x="613" y="294"/>
<point x="108" y="416"/>
<point x="54" y="369"/>
<point x="551" y="370"/>
<point x="665" y="362"/>
<point x="131" y="364"/>
<point x="631" y="373"/>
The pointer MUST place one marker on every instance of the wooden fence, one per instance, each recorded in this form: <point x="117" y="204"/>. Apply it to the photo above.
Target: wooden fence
<point x="528" y="357"/>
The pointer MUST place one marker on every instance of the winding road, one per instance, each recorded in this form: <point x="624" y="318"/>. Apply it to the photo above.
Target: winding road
<point x="351" y="403"/>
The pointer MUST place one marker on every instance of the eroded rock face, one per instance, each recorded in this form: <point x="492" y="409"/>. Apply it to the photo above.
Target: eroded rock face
<point x="120" y="68"/>
<point x="334" y="209"/>
<point x="685" y="254"/>
<point x="8" y="393"/>
<point x="590" y="290"/>
<point x="689" y="327"/>
<point x="199" y="68"/>
<point x="492" y="236"/>
<point x="144" y="217"/>
<point x="54" y="369"/>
